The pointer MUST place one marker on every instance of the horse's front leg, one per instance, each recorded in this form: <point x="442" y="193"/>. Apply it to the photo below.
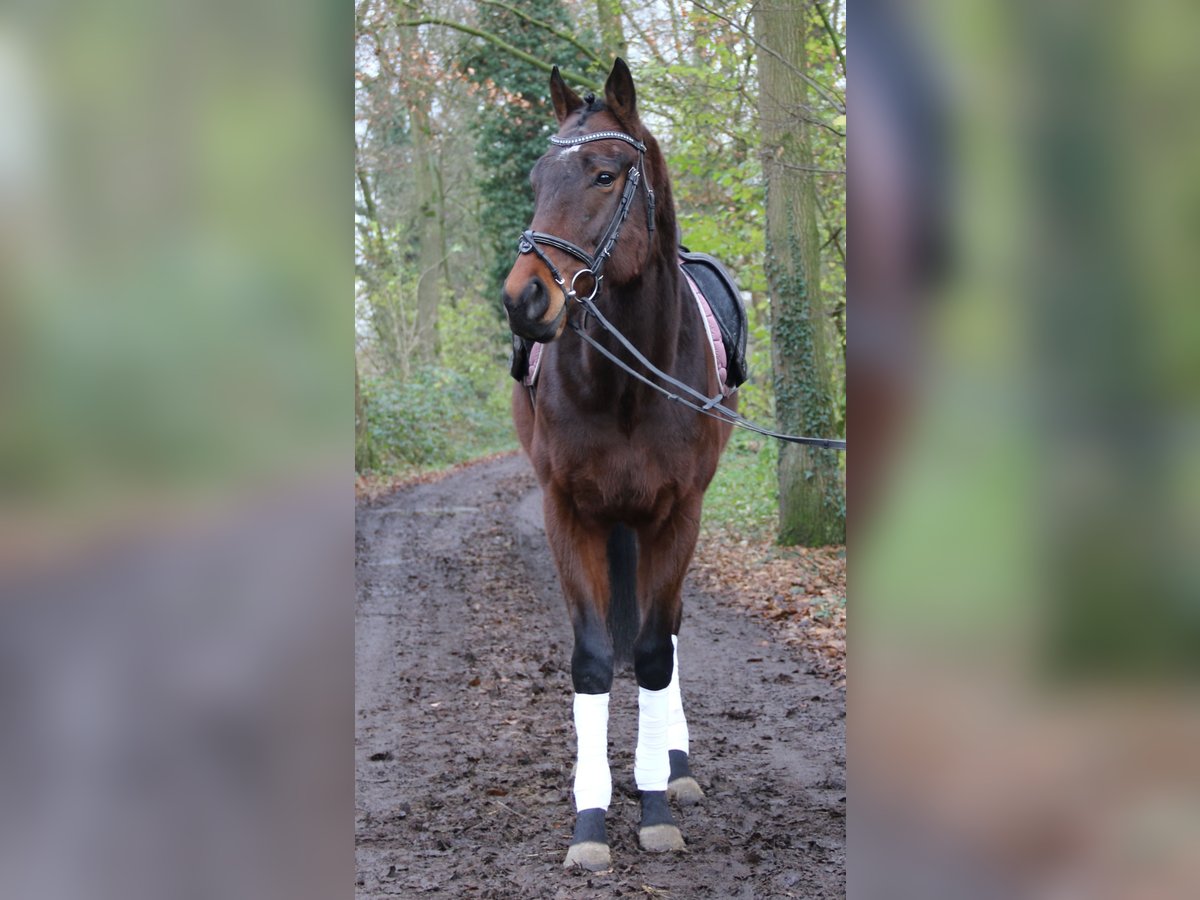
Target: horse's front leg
<point x="580" y="552"/>
<point x="682" y="787"/>
<point x="660" y="762"/>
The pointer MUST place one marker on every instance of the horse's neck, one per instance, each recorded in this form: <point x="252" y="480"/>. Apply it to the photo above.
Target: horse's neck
<point x="649" y="314"/>
<point x="652" y="316"/>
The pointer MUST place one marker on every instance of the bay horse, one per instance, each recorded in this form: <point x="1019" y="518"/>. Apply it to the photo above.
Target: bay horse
<point x="623" y="470"/>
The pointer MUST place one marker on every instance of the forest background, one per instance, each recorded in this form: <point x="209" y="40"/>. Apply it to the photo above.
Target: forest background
<point x="451" y="111"/>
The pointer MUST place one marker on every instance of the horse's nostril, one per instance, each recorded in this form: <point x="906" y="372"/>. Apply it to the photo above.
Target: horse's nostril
<point x="532" y="292"/>
<point x="535" y="299"/>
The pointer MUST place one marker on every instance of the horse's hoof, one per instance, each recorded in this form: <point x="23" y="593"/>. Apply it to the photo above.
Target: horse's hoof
<point x="590" y="855"/>
<point x="685" y="791"/>
<point x="660" y="838"/>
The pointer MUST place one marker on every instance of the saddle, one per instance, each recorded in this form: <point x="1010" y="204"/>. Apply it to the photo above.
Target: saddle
<point x="714" y="286"/>
<point x="719" y="303"/>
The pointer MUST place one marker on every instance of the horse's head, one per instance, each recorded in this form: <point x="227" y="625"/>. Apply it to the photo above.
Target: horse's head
<point x="590" y="188"/>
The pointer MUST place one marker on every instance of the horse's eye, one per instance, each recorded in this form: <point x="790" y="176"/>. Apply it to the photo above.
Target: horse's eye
<point x="604" y="179"/>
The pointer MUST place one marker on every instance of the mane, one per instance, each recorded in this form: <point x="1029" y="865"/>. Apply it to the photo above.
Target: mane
<point x="666" y="227"/>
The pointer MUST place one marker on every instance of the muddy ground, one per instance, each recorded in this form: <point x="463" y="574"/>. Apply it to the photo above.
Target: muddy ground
<point x="464" y="740"/>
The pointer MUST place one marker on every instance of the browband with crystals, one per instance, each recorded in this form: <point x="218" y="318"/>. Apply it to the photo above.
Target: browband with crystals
<point x="599" y="136"/>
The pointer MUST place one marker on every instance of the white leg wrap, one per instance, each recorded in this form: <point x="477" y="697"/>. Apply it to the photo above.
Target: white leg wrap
<point x="677" y="730"/>
<point x="593" y="781"/>
<point x="651" y="765"/>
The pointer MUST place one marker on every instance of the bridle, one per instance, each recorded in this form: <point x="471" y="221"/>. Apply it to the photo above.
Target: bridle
<point x="594" y="263"/>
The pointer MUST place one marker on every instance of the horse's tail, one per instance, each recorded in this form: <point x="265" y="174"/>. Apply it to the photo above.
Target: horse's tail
<point x="623" y="619"/>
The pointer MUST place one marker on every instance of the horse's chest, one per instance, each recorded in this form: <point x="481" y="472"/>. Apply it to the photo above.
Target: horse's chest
<point x="627" y="480"/>
<point x="625" y="413"/>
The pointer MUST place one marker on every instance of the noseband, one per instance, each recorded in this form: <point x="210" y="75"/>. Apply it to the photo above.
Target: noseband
<point x="594" y="263"/>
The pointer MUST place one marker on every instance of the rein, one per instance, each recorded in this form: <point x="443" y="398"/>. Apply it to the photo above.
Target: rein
<point x="712" y="406"/>
<point x="709" y="406"/>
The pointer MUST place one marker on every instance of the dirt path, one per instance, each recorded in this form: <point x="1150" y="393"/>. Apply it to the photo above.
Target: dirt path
<point x="464" y="741"/>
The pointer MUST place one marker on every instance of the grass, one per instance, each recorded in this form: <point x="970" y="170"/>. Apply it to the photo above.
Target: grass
<point x="744" y="496"/>
<point x="438" y="418"/>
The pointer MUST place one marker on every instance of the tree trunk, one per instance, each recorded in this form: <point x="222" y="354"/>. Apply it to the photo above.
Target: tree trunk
<point x="811" y="496"/>
<point x="612" y="33"/>
<point x="364" y="455"/>
<point x="429" y="258"/>
<point x="426" y="196"/>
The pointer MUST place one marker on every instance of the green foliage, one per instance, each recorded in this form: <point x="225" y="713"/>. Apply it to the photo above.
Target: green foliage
<point x="744" y="496"/>
<point x="366" y="457"/>
<point x="475" y="344"/>
<point x="712" y="153"/>
<point x="436" y="418"/>
<point x="447" y="412"/>
<point x="516" y="120"/>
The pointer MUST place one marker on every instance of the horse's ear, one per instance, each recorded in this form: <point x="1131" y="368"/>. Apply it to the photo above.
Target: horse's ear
<point x="566" y="101"/>
<point x="619" y="93"/>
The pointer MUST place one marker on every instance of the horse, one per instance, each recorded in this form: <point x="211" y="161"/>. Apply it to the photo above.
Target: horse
<point x="623" y="471"/>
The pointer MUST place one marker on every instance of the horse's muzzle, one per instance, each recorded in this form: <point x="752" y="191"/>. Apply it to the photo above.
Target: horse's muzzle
<point x="532" y="315"/>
